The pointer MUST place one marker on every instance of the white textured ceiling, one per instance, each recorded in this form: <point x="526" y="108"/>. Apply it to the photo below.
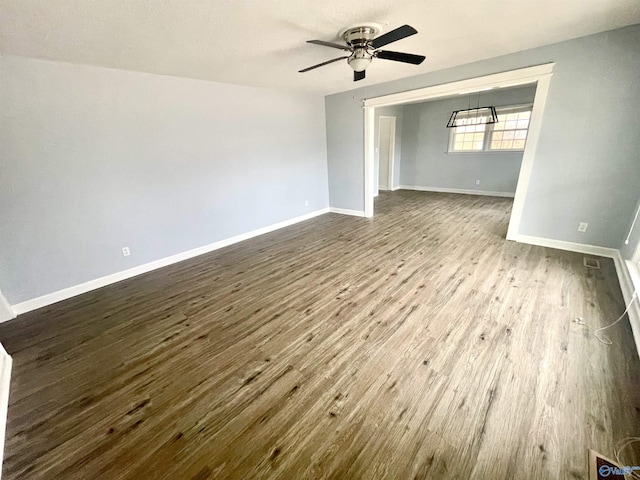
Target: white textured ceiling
<point x="262" y="42"/>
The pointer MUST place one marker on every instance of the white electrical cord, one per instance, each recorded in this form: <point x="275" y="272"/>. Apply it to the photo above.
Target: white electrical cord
<point x="627" y="441"/>
<point x="596" y="333"/>
<point x="603" y="338"/>
<point x="626" y="241"/>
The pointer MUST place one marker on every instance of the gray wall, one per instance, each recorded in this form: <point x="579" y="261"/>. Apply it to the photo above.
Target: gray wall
<point x="586" y="167"/>
<point x="398" y="112"/>
<point x="345" y="149"/>
<point x="94" y="159"/>
<point x="426" y="162"/>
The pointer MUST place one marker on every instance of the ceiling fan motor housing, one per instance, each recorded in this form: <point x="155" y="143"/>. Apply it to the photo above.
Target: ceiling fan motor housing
<point x="360" y="36"/>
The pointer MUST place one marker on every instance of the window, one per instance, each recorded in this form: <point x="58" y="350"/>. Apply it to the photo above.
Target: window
<point x="509" y="134"/>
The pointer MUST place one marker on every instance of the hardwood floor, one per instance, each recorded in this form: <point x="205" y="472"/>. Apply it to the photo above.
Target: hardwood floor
<point x="417" y="344"/>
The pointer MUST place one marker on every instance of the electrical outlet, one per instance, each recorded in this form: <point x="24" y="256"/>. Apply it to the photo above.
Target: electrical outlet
<point x="125" y="251"/>
<point x="583" y="226"/>
<point x="477" y="182"/>
<point x="306" y="203"/>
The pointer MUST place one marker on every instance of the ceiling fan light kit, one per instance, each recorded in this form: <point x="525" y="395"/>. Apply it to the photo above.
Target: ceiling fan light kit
<point x="359" y="60"/>
<point x="363" y="45"/>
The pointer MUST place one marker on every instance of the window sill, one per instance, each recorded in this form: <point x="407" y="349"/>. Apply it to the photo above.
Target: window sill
<point x="484" y="152"/>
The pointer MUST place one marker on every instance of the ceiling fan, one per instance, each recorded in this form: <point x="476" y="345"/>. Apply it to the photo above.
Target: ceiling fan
<point x="363" y="46"/>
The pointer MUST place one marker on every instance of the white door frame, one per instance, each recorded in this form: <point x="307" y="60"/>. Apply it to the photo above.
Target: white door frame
<point x="540" y="74"/>
<point x="6" y="312"/>
<point x="392" y="148"/>
<point x="5" y="382"/>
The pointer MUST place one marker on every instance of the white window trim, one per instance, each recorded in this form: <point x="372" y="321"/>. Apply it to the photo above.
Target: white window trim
<point x="487" y="134"/>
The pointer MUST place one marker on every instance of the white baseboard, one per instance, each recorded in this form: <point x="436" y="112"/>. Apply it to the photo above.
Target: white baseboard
<point x="6" y="312"/>
<point x="570" y="246"/>
<point x="396" y="187"/>
<point x="629" y="279"/>
<point x="346" y="211"/>
<point x="69" y="292"/>
<point x="456" y="190"/>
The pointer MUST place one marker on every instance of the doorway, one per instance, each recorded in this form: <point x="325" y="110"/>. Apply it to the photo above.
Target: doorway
<point x="385" y="153"/>
<point x="539" y="75"/>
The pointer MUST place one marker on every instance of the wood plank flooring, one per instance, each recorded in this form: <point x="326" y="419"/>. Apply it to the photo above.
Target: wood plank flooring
<point x="417" y="344"/>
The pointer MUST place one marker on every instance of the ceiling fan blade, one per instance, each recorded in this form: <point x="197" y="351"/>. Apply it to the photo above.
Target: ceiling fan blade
<point x="400" y="57"/>
<point x="358" y="76"/>
<point x="393" y="36"/>
<point x="329" y="44"/>
<point x="321" y="64"/>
